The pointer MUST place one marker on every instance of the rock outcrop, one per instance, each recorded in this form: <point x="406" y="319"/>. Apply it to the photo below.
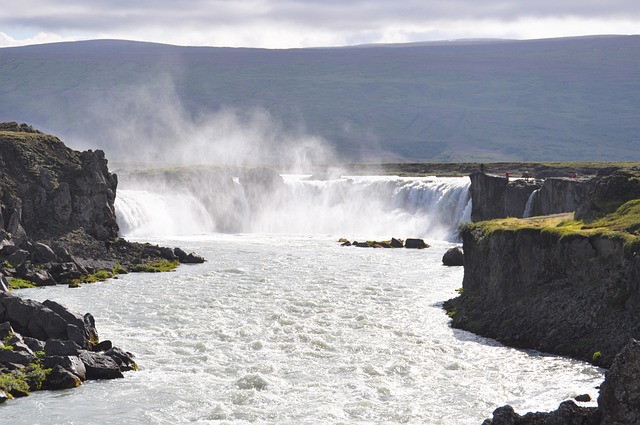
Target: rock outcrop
<point x="57" y="215"/>
<point x="499" y="197"/>
<point x="618" y="403"/>
<point x="573" y="296"/>
<point x="47" y="346"/>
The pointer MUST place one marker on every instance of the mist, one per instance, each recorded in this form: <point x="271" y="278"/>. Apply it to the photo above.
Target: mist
<point x="147" y="125"/>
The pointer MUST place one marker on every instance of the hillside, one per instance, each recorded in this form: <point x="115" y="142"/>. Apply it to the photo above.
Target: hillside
<point x="542" y="100"/>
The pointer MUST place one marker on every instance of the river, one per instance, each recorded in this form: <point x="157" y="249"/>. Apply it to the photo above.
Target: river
<point x="292" y="328"/>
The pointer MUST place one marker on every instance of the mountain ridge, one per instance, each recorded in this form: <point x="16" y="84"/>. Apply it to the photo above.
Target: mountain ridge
<point x="506" y="100"/>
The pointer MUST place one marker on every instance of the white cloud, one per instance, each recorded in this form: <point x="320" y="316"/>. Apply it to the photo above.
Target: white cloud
<point x="305" y="23"/>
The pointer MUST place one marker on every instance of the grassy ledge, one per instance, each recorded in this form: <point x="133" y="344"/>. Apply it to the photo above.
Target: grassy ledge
<point x="622" y="224"/>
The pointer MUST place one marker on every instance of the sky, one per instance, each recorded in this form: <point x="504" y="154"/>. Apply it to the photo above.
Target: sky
<point x="309" y="23"/>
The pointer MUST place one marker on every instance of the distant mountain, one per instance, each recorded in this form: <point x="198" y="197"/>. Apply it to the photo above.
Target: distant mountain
<point x="472" y="100"/>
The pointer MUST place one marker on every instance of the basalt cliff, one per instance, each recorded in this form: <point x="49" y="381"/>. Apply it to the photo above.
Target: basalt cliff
<point x="564" y="283"/>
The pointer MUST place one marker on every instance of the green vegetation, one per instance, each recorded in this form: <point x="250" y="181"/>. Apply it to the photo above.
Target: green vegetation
<point x="157" y="266"/>
<point x="17" y="283"/>
<point x="596" y="357"/>
<point x="18" y="382"/>
<point x="623" y="224"/>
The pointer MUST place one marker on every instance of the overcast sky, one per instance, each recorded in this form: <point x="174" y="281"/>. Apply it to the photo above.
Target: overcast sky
<point x="309" y="23"/>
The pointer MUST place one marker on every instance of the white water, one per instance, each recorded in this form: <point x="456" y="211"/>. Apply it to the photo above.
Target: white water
<point x="379" y="207"/>
<point x="528" y="208"/>
<point x="295" y="329"/>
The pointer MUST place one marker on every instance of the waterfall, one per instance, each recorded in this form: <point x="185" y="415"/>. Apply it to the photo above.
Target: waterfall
<point x="350" y="206"/>
<point x="528" y="209"/>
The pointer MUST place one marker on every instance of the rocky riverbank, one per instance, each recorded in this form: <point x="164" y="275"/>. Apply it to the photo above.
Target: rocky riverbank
<point x="565" y="284"/>
<point x="58" y="226"/>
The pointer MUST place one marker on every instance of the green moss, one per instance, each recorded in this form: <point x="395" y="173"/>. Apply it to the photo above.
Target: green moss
<point x="157" y="266"/>
<point x="17" y="283"/>
<point x="18" y="382"/>
<point x="596" y="358"/>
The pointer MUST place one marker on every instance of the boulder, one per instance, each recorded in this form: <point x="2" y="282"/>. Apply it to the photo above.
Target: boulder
<point x="57" y="347"/>
<point x="61" y="379"/>
<point x="191" y="258"/>
<point x="453" y="257"/>
<point x="415" y="244"/>
<point x="100" y="366"/>
<point x="72" y="364"/>
<point x="15" y="357"/>
<point x="397" y="243"/>
<point x="18" y="257"/>
<point x="3" y="397"/>
<point x="43" y="253"/>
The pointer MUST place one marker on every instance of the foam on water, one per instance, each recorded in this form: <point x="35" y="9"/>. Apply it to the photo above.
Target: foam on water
<point x="297" y="329"/>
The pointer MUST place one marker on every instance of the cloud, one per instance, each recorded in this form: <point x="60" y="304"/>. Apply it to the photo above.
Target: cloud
<point x="300" y="23"/>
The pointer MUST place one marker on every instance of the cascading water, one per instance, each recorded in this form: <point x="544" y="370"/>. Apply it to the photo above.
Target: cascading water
<point x="349" y="206"/>
<point x="528" y="209"/>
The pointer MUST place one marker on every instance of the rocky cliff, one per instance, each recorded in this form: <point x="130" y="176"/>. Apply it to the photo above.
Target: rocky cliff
<point x="498" y="197"/>
<point x="554" y="283"/>
<point x="47" y="189"/>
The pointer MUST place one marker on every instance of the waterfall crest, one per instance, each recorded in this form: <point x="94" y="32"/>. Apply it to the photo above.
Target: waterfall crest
<point x="350" y="206"/>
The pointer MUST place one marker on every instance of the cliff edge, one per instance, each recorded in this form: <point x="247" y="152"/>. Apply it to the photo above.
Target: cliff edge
<point x="560" y="284"/>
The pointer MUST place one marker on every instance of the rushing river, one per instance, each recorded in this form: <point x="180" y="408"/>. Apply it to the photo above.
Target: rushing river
<point x="292" y="328"/>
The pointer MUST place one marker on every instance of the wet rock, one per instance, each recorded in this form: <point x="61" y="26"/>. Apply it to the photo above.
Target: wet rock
<point x="397" y="243"/>
<point x="415" y="244"/>
<point x="102" y="346"/>
<point x="123" y="358"/>
<point x="583" y="398"/>
<point x="15" y="357"/>
<point x="191" y="258"/>
<point x="3" y="397"/>
<point x="100" y="366"/>
<point x="453" y="257"/>
<point x="61" y="379"/>
<point x="72" y="364"/>
<point x="57" y="347"/>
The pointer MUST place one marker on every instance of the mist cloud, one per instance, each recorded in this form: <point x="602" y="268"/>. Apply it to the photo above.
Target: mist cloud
<point x="146" y="125"/>
<point x="291" y="23"/>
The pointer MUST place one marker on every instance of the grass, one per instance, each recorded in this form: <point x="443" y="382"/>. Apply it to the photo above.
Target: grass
<point x="622" y="224"/>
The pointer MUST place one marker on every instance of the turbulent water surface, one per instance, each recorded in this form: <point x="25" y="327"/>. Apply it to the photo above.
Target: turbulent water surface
<point x="293" y="328"/>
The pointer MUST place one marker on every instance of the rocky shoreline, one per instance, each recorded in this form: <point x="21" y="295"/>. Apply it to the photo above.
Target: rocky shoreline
<point x="58" y="226"/>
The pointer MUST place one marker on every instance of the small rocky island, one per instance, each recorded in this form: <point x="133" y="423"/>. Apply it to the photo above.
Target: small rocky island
<point x="58" y="226"/>
<point x="563" y="283"/>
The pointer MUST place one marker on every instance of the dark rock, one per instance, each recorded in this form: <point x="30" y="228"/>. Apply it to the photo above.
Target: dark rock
<point x="61" y="379"/>
<point x="5" y="329"/>
<point x="347" y="243"/>
<point x="568" y="413"/>
<point x="191" y="258"/>
<point x="43" y="253"/>
<point x="415" y="244"/>
<point x="100" y="366"/>
<point x="102" y="346"/>
<point x="32" y="318"/>
<point x="57" y="347"/>
<point x="397" y="243"/>
<point x="122" y="358"/>
<point x="18" y="257"/>
<point x="7" y="250"/>
<point x="619" y="398"/>
<point x="3" y="397"/>
<point x="453" y="257"/>
<point x="361" y="244"/>
<point x="4" y="284"/>
<point x="35" y="345"/>
<point x="72" y="364"/>
<point x="583" y="398"/>
<point x="17" y="357"/>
